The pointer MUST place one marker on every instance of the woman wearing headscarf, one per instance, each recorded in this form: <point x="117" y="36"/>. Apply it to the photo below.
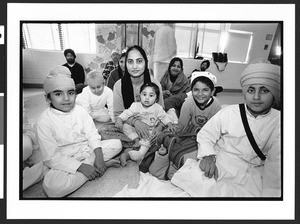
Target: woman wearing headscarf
<point x="175" y="85"/>
<point x="225" y="151"/>
<point x="118" y="73"/>
<point x="127" y="89"/>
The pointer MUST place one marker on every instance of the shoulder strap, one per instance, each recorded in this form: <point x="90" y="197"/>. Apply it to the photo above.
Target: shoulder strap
<point x="249" y="133"/>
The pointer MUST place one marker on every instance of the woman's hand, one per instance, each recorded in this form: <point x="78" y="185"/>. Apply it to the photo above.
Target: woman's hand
<point x="208" y="166"/>
<point x="166" y="93"/>
<point x="141" y="129"/>
<point x="119" y="124"/>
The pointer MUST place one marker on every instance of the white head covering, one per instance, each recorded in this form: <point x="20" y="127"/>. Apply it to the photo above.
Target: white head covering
<point x="59" y="77"/>
<point x="263" y="73"/>
<point x="205" y="74"/>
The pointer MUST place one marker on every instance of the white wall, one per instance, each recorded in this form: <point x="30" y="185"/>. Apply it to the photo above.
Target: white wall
<point x="36" y="63"/>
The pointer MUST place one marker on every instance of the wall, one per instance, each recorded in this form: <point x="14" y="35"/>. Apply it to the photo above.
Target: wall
<point x="36" y="63"/>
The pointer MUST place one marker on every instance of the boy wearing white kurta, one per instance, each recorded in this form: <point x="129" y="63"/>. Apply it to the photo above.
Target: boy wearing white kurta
<point x="96" y="98"/>
<point x="68" y="139"/>
<point x="224" y="151"/>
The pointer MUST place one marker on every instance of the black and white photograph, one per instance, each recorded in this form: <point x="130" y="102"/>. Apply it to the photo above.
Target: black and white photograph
<point x="186" y="108"/>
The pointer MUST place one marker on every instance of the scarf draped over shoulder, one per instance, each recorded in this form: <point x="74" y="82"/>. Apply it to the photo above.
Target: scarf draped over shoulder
<point x="181" y="84"/>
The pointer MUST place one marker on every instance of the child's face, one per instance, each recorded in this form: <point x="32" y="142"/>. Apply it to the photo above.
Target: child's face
<point x="201" y="92"/>
<point x="135" y="63"/>
<point x="63" y="99"/>
<point x="259" y="99"/>
<point x="122" y="63"/>
<point x="148" y="97"/>
<point x="96" y="86"/>
<point x="175" y="68"/>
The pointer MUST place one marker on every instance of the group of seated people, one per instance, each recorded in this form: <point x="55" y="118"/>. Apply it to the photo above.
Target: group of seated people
<point x="148" y="111"/>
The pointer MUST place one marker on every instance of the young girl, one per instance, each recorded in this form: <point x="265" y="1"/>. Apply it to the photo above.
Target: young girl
<point x="195" y="112"/>
<point x="148" y="111"/>
<point x="96" y="98"/>
<point x="70" y="144"/>
<point x="229" y="166"/>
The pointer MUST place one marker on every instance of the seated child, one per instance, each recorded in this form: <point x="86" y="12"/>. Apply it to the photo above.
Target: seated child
<point x="68" y="139"/>
<point x="95" y="97"/>
<point x="32" y="167"/>
<point x="195" y="112"/>
<point x="148" y="111"/>
<point x="225" y="152"/>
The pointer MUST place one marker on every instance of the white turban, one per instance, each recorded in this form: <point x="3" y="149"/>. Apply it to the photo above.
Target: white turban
<point x="264" y="74"/>
<point x="205" y="74"/>
<point x="59" y="77"/>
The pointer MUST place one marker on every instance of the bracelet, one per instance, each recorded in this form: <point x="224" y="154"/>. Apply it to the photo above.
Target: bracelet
<point x="213" y="156"/>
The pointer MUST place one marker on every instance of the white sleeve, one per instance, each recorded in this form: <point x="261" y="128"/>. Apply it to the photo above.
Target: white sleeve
<point x="271" y="174"/>
<point x="163" y="116"/>
<point x="83" y="100"/>
<point x="209" y="134"/>
<point x="131" y="111"/>
<point x="90" y="130"/>
<point x="51" y="151"/>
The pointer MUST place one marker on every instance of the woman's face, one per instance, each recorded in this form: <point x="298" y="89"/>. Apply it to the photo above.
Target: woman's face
<point x="176" y="68"/>
<point x="135" y="63"/>
<point x="122" y="63"/>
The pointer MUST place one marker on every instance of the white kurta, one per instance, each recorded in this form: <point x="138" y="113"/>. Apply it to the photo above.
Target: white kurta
<point x="66" y="140"/>
<point x="241" y="171"/>
<point x="95" y="105"/>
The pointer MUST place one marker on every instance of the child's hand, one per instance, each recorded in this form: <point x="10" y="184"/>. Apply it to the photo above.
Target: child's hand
<point x="173" y="128"/>
<point x="100" y="165"/>
<point x="89" y="171"/>
<point x="208" y="166"/>
<point x="119" y="124"/>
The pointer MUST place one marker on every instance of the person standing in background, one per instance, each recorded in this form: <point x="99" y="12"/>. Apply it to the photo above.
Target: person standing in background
<point x="111" y="65"/>
<point x="164" y="49"/>
<point x="76" y="69"/>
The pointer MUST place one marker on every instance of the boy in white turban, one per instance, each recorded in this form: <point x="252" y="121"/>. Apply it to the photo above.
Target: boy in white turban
<point x="225" y="152"/>
<point x="68" y="139"/>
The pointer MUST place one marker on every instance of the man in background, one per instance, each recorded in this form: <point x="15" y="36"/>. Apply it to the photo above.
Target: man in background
<point x="76" y="69"/>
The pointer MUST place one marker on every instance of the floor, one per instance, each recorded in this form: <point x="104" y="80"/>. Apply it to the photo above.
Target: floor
<point x="114" y="179"/>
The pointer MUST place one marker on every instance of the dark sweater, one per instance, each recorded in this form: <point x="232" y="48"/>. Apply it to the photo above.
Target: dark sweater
<point x="77" y="72"/>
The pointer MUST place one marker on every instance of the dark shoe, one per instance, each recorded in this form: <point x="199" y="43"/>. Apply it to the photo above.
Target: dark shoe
<point x="160" y="138"/>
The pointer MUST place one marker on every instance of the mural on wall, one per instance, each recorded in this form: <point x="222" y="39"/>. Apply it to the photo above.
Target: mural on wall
<point x="118" y="36"/>
<point x="148" y="31"/>
<point x="132" y="34"/>
<point x="108" y="38"/>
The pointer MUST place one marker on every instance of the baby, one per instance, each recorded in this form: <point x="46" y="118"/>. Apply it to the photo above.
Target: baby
<point x="148" y="111"/>
<point x="96" y="98"/>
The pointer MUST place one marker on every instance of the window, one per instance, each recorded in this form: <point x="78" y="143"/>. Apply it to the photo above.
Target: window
<point x="58" y="36"/>
<point x="199" y="40"/>
<point x="41" y="36"/>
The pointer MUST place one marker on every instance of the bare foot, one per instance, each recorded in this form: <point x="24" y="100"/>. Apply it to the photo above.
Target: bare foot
<point x="112" y="163"/>
<point x="124" y="157"/>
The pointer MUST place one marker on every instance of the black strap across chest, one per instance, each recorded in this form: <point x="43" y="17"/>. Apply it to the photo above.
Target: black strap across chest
<point x="249" y="133"/>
